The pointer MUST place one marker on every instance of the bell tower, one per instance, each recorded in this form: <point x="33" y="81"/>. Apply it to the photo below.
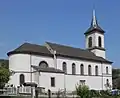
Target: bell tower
<point x="95" y="38"/>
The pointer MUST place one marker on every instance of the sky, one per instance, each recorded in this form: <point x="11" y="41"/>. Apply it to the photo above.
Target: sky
<point x="58" y="21"/>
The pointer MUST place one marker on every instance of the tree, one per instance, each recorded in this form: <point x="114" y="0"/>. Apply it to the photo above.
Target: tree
<point x="115" y="73"/>
<point x="83" y="91"/>
<point x="116" y="78"/>
<point x="4" y="63"/>
<point x="4" y="76"/>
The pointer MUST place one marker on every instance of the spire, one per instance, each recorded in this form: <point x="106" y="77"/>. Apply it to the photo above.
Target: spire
<point x="94" y="20"/>
<point x="94" y="25"/>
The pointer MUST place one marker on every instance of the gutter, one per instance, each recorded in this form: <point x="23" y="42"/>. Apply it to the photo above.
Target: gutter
<point x="102" y="74"/>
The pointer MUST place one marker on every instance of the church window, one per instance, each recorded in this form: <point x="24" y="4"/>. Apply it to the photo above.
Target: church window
<point x="99" y="41"/>
<point x="64" y="66"/>
<point x="43" y="64"/>
<point x="107" y="83"/>
<point x="22" y="79"/>
<point x="82" y="69"/>
<point x="52" y="81"/>
<point x="89" y="70"/>
<point x="96" y="70"/>
<point x="90" y="41"/>
<point x="73" y="69"/>
<point x="106" y="70"/>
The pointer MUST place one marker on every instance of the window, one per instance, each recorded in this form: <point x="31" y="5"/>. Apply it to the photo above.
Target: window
<point x="73" y="69"/>
<point x="106" y="70"/>
<point x="82" y="69"/>
<point x="107" y="83"/>
<point x="90" y="42"/>
<point x="43" y="64"/>
<point x="52" y="81"/>
<point x="82" y="82"/>
<point x="89" y="70"/>
<point x="22" y="79"/>
<point x="96" y="70"/>
<point x="64" y="67"/>
<point x="99" y="41"/>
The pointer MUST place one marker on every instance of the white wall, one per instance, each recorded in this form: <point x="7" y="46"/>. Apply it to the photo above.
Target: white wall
<point x="21" y="64"/>
<point x="95" y="39"/>
<point x="71" y="80"/>
<point x="45" y="81"/>
<point x="36" y="59"/>
<point x="94" y="82"/>
<point x="102" y="38"/>
<point x="14" y="79"/>
<point x="94" y="43"/>
<point x="69" y="62"/>
<point x="98" y="52"/>
<point x="95" y="36"/>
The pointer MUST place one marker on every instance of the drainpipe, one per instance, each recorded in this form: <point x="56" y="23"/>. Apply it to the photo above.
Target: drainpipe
<point x="38" y="78"/>
<point x="31" y="75"/>
<point x="102" y="73"/>
<point x="64" y="85"/>
<point x="55" y="59"/>
<point x="30" y="68"/>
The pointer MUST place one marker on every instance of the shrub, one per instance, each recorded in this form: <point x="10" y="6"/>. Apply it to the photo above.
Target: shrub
<point x="94" y="93"/>
<point x="83" y="91"/>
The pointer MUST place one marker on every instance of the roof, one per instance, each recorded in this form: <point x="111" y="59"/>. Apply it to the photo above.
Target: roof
<point x="61" y="50"/>
<point x="47" y="69"/>
<point x="68" y="51"/>
<point x="29" y="48"/>
<point x="89" y="30"/>
<point x="94" y="26"/>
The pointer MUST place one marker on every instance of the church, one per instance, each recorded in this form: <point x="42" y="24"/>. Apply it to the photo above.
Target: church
<point x="57" y="67"/>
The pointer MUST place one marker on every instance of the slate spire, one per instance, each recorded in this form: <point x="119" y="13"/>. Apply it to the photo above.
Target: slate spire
<point x="94" y="20"/>
<point x="94" y="25"/>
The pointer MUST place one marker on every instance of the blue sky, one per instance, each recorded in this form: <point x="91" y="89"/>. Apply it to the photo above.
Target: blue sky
<point x="59" y="21"/>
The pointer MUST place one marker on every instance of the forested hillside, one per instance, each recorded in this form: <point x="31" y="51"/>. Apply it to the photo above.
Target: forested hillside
<point x="4" y="72"/>
<point x="116" y="78"/>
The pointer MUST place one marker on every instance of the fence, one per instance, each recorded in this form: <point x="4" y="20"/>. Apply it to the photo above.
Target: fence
<point x="15" y="91"/>
<point x="27" y="91"/>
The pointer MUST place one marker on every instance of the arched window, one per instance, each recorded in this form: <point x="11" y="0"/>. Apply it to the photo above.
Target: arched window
<point x="107" y="83"/>
<point x="99" y="41"/>
<point x="106" y="70"/>
<point x="64" y="66"/>
<point x="90" y="41"/>
<point x="96" y="70"/>
<point x="89" y="70"/>
<point x="43" y="64"/>
<point x="22" y="79"/>
<point x="82" y="69"/>
<point x="73" y="69"/>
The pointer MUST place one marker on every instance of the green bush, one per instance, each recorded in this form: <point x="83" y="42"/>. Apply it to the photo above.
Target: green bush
<point x="83" y="91"/>
<point x="94" y="93"/>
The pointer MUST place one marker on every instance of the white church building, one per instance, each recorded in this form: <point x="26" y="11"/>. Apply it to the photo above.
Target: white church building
<point x="55" y="66"/>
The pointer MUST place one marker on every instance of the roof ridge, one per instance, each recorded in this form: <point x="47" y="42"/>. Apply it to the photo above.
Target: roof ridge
<point x="33" y="44"/>
<point x="66" y="46"/>
<point x="26" y="43"/>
